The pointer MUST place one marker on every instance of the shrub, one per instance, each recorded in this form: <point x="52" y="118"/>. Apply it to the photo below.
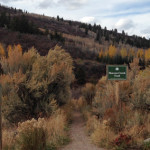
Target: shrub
<point x="43" y="134"/>
<point x="141" y="95"/>
<point x="88" y="93"/>
<point x="126" y="125"/>
<point x="102" y="135"/>
<point x="31" y="82"/>
<point x="8" y="139"/>
<point x="122" y="141"/>
<point x="56" y="128"/>
<point x="146" y="146"/>
<point x="104" y="98"/>
<point x="32" y="135"/>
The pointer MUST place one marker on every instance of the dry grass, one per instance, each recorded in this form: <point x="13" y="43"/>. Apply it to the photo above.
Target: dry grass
<point x="56" y="126"/>
<point x="39" y="134"/>
<point x="78" y="104"/>
<point x="103" y="136"/>
<point x="99" y="132"/>
<point x="8" y="139"/>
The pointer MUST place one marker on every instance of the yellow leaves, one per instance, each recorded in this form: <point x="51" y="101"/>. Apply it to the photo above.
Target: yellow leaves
<point x="101" y="54"/>
<point x="2" y="51"/>
<point x="9" y="49"/>
<point x="140" y="53"/>
<point x="147" y="55"/>
<point x="106" y="53"/>
<point x="123" y="52"/>
<point x="131" y="52"/>
<point x="18" y="47"/>
<point x="112" y="51"/>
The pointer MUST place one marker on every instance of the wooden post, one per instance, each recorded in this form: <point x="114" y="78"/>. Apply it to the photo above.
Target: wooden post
<point x="117" y="93"/>
<point x="0" y="117"/>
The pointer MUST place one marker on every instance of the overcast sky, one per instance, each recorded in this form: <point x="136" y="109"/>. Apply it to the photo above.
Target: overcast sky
<point x="133" y="16"/>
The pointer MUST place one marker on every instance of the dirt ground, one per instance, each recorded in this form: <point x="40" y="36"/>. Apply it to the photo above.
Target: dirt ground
<point x="79" y="139"/>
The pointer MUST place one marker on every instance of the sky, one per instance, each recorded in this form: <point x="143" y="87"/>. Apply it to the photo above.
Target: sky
<point x="132" y="16"/>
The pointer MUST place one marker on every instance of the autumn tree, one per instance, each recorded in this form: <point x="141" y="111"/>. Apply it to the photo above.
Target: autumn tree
<point x="140" y="53"/>
<point x="2" y="51"/>
<point x="9" y="50"/>
<point x="101" y="55"/>
<point x="112" y="51"/>
<point x="131" y="54"/>
<point x="123" y="53"/>
<point x="19" y="47"/>
<point x="147" y="56"/>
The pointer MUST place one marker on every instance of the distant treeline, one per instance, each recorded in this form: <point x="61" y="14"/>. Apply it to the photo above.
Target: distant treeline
<point x="18" y="23"/>
<point x="124" y="55"/>
<point x="115" y="37"/>
<point x="22" y="24"/>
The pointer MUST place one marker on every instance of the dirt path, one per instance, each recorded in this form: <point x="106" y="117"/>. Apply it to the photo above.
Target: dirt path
<point x="80" y="140"/>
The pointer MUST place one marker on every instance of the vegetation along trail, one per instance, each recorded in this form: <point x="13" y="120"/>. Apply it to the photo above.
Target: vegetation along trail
<point x="80" y="140"/>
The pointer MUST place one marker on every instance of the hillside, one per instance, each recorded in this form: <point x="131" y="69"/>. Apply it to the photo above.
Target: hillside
<point x="84" y="42"/>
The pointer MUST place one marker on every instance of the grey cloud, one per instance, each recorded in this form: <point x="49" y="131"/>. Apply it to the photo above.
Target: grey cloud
<point x="73" y="4"/>
<point x="46" y="4"/>
<point x="69" y="4"/>
<point x="7" y="1"/>
<point x="146" y="31"/>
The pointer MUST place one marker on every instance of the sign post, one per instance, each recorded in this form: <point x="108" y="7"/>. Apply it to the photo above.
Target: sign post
<point x="0" y="117"/>
<point x="117" y="73"/>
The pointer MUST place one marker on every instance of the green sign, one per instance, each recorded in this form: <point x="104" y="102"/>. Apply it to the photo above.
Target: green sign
<point x="116" y="72"/>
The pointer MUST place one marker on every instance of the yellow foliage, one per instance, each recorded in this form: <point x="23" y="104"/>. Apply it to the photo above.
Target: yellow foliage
<point x="131" y="52"/>
<point x="106" y="53"/>
<point x="147" y="55"/>
<point x="140" y="53"/>
<point x="2" y="51"/>
<point x="19" y="47"/>
<point x="9" y="49"/>
<point x="101" y="54"/>
<point x="112" y="51"/>
<point x="123" y="52"/>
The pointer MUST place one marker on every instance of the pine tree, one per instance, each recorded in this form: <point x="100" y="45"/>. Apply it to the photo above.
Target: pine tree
<point x="86" y="30"/>
<point x="58" y="18"/>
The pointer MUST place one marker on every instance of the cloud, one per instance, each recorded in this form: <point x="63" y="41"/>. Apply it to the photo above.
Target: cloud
<point x="70" y="4"/>
<point x="7" y="1"/>
<point x="146" y="31"/>
<point x="124" y="24"/>
<point x="73" y="4"/>
<point x="46" y="3"/>
<point x="88" y="19"/>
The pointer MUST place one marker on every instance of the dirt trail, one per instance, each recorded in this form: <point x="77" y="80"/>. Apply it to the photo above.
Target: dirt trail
<point x="80" y="141"/>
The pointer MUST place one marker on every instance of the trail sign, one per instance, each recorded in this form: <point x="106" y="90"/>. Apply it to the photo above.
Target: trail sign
<point x="117" y="72"/>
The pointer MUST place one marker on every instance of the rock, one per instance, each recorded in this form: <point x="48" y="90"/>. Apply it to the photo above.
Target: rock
<point x="147" y="140"/>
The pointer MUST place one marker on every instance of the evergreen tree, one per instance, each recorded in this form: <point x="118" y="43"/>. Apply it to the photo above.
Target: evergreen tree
<point x="58" y="18"/>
